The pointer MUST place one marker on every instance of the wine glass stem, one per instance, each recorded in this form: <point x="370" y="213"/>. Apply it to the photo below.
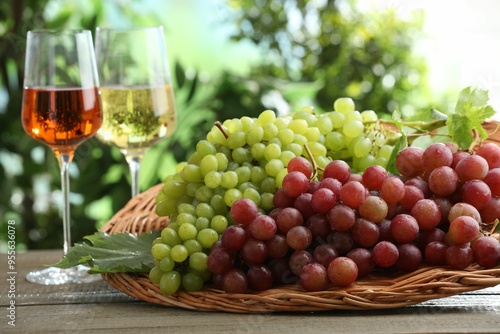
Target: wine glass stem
<point x="134" y="164"/>
<point x="64" y="160"/>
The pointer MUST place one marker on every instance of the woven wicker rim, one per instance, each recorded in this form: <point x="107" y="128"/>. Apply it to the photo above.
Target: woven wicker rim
<point x="366" y="294"/>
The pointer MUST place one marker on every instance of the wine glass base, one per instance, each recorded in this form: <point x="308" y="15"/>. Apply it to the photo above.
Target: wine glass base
<point x="57" y="276"/>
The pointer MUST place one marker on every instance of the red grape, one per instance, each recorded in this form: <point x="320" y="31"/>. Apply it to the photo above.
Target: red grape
<point x="313" y="277"/>
<point x="342" y="271"/>
<point x="409" y="162"/>
<point x="300" y="164"/>
<point x="385" y="254"/>
<point x="338" y="169"/>
<point x="244" y="211"/>
<point x="472" y="167"/>
<point x="491" y="153"/>
<point x="486" y="251"/>
<point x="294" y="184"/>
<point x="437" y="155"/>
<point x="443" y="181"/>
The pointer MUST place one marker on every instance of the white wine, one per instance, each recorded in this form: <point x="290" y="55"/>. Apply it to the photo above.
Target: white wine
<point x="136" y="118"/>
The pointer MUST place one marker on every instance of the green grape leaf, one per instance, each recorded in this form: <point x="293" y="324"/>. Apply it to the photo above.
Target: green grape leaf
<point x="471" y="111"/>
<point x="112" y="253"/>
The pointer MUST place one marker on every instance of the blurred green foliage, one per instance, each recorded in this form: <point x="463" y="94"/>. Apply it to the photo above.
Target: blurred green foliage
<point x="312" y="53"/>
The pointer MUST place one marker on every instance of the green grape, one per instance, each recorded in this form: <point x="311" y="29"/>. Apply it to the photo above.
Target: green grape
<point x="280" y="176"/>
<point x="204" y="193"/>
<point x="155" y="275"/>
<point x="298" y="126"/>
<point x="185" y="218"/>
<point x="274" y="166"/>
<point x="282" y="122"/>
<point x="207" y="237"/>
<point x="286" y="136"/>
<point x="198" y="261"/>
<point x="266" y="201"/>
<point x="222" y="161"/>
<point x="161" y="196"/>
<point x="300" y="139"/>
<point x="385" y="152"/>
<point x="365" y="162"/>
<point x="218" y="204"/>
<point x="337" y="118"/>
<point x="205" y="210"/>
<point x="233" y="125"/>
<point x="204" y="148"/>
<point x="324" y="124"/>
<point x="219" y="223"/>
<point x="313" y="134"/>
<point x="268" y="185"/>
<point x="208" y="164"/>
<point x="202" y="223"/>
<point x="252" y="194"/>
<point x="174" y="189"/>
<point x="157" y="241"/>
<point x="362" y="147"/>
<point x="286" y="156"/>
<point x="236" y="139"/>
<point x="213" y="179"/>
<point x="317" y="149"/>
<point x="369" y="116"/>
<point x="353" y="128"/>
<point x="270" y="131"/>
<point x="322" y="161"/>
<point x="245" y="185"/>
<point x="170" y="282"/>
<point x="353" y="116"/>
<point x="334" y="141"/>
<point x="257" y="174"/>
<point x="191" y="173"/>
<point x="186" y="208"/>
<point x="179" y="253"/>
<point x="344" y="105"/>
<point x="192" y="282"/>
<point x="192" y="246"/>
<point x="272" y="151"/>
<point x="167" y="264"/>
<point x="266" y="117"/>
<point x="255" y="135"/>
<point x="247" y="123"/>
<point x="380" y="161"/>
<point x="215" y="136"/>
<point x="191" y="188"/>
<point x="242" y="155"/>
<point x="187" y="231"/>
<point x="194" y="159"/>
<point x="295" y="148"/>
<point x="258" y="151"/>
<point x="160" y="251"/>
<point x="165" y="207"/>
<point x="170" y="237"/>
<point x="243" y="173"/>
<point x="231" y="196"/>
<point x="229" y="180"/>
<point x="173" y="223"/>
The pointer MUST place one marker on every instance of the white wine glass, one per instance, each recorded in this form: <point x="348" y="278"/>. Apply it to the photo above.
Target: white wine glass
<point x="61" y="109"/>
<point x="136" y="92"/>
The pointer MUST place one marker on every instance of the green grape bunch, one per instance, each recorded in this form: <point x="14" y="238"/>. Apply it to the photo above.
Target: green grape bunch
<point x="247" y="158"/>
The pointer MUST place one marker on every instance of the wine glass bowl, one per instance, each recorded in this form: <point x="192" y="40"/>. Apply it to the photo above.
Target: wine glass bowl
<point x="61" y="108"/>
<point x="136" y="92"/>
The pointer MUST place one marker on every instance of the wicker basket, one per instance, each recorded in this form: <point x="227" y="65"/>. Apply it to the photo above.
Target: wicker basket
<point x="373" y="292"/>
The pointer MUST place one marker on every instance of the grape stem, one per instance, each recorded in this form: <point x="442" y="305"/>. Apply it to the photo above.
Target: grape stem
<point x="315" y="166"/>
<point x="221" y="128"/>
